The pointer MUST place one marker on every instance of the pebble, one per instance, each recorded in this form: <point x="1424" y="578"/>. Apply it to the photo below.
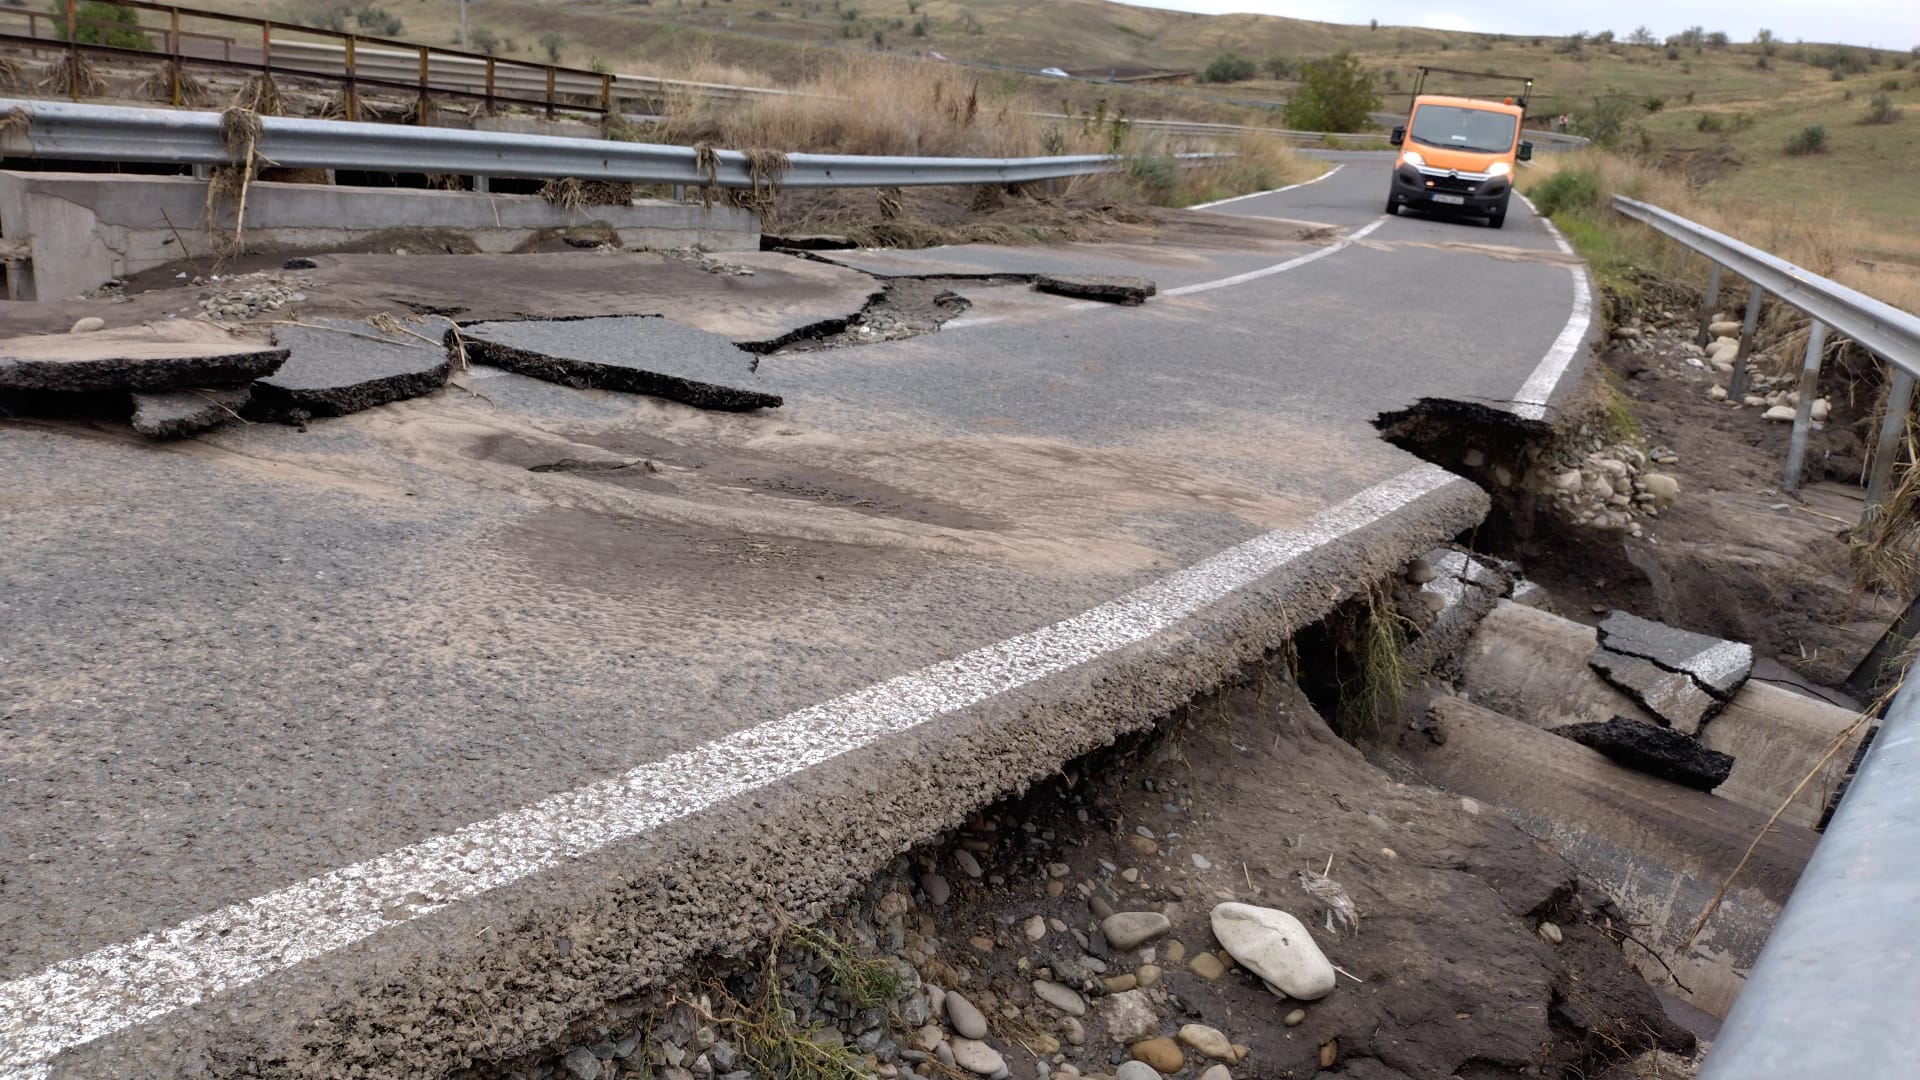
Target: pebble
<point x="1551" y="932"/>
<point x="1136" y="1070"/>
<point x="1120" y="984"/>
<point x="1055" y="888"/>
<point x="1216" y="1072"/>
<point x="1200" y="862"/>
<point x="1131" y="929"/>
<point x="88" y="325"/>
<point x="968" y="865"/>
<point x="981" y="942"/>
<point x="1074" y="1030"/>
<point x="1035" y="928"/>
<point x="1419" y="572"/>
<point x="581" y="1063"/>
<point x="1148" y="974"/>
<point x="1129" y="1016"/>
<point x="1060" y="997"/>
<point x="1143" y="845"/>
<point x="1210" y="1041"/>
<point x="1821" y="409"/>
<point x="1207" y="966"/>
<point x="928" y="1037"/>
<point x="1779" y="413"/>
<point x="1176" y="952"/>
<point x="1329" y="1053"/>
<point x="1662" y="487"/>
<point x="1296" y="1017"/>
<point x="977" y="1057"/>
<point x="965" y="1018"/>
<point x="1162" y="1053"/>
<point x="1130" y="875"/>
<point x="936" y="887"/>
<point x="1100" y="908"/>
<point x="1717" y="392"/>
<point x="1275" y="946"/>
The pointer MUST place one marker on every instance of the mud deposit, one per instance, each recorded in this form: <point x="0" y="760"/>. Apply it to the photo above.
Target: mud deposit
<point x="1450" y="972"/>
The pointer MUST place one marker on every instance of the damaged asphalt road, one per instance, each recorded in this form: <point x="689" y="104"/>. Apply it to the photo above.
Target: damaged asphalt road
<point x="372" y="748"/>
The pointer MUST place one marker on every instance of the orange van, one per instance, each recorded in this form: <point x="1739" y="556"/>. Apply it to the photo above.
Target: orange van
<point x="1457" y="156"/>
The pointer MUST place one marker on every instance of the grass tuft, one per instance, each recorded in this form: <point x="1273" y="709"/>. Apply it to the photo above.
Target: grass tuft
<point x="1379" y="686"/>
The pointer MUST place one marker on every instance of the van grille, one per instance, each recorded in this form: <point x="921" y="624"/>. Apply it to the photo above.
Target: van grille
<point x="1454" y="185"/>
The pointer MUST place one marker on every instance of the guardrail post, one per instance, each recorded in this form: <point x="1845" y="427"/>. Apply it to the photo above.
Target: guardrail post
<point x="1893" y="425"/>
<point x="1737" y="388"/>
<point x="489" y="86"/>
<point x="424" y="69"/>
<point x="173" y="50"/>
<point x="549" y="91"/>
<point x="606" y="95"/>
<point x="1708" y="301"/>
<point x="1803" y="413"/>
<point x="266" y="48"/>
<point x="73" y="52"/>
<point x="353" y="92"/>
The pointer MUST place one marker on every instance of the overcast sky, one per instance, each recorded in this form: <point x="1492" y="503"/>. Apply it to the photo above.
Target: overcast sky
<point x="1893" y="24"/>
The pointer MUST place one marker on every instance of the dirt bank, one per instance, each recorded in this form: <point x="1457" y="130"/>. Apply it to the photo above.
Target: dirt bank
<point x="1450" y="972"/>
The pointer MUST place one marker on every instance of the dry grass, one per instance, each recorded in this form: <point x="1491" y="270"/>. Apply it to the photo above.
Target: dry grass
<point x="1822" y="239"/>
<point x="158" y="86"/>
<point x="72" y="72"/>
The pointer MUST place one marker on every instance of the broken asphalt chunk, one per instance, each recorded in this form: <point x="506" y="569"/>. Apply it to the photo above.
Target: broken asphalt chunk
<point x="1674" y="699"/>
<point x="176" y="413"/>
<point x="1652" y="750"/>
<point x="1110" y="288"/>
<point x="340" y="366"/>
<point x="178" y="356"/>
<point x="640" y="354"/>
<point x="1720" y="667"/>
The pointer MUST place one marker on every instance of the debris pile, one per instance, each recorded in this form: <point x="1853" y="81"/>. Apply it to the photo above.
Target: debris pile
<point x="1611" y="485"/>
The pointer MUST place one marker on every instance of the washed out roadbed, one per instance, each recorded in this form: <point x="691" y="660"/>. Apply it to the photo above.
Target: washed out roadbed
<point x="1476" y="953"/>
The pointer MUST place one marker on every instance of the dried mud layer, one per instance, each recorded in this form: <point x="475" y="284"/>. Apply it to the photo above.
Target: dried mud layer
<point x="1476" y="953"/>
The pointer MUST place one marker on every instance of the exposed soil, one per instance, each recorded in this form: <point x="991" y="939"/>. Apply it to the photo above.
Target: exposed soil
<point x="1448" y="974"/>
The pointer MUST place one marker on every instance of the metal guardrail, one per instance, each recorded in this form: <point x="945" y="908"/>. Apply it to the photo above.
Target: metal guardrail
<point x="1879" y="327"/>
<point x="63" y="130"/>
<point x="1834" y="990"/>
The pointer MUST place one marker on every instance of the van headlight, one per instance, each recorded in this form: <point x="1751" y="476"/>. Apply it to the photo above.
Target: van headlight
<point x="1499" y="168"/>
<point x="1413" y="158"/>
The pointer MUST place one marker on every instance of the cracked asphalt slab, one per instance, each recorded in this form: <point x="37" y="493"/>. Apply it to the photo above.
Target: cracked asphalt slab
<point x="317" y="744"/>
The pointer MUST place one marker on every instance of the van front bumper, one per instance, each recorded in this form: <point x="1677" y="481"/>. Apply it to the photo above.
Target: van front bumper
<point x="1436" y="190"/>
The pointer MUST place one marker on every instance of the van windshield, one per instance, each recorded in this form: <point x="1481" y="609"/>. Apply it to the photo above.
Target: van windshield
<point x="1458" y="128"/>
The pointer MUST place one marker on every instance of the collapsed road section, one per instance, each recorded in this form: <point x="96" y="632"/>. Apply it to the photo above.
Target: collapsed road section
<point x="416" y="757"/>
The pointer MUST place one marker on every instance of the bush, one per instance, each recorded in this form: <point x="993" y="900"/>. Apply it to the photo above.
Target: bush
<point x="485" y="41"/>
<point x="99" y="23"/>
<point x="1568" y="190"/>
<point x="553" y="44"/>
<point x="1336" y="94"/>
<point x="1811" y="139"/>
<point x="1606" y="121"/>
<point x="1708" y="122"/>
<point x="1880" y="110"/>
<point x="378" y="21"/>
<point x="1229" y="67"/>
<point x="1280" y="66"/>
<point x="1653" y="104"/>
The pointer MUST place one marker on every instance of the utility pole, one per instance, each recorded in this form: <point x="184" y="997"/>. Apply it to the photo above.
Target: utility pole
<point x="463" y="24"/>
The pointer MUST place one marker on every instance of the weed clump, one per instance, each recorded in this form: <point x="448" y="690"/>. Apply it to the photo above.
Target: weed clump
<point x="1811" y="139"/>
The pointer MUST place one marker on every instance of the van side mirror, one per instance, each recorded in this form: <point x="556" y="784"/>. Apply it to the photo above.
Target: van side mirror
<point x="1526" y="150"/>
<point x="1399" y="136"/>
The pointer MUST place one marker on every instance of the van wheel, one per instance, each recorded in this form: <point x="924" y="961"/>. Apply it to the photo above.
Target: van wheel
<point x="1498" y="218"/>
<point x="1393" y="207"/>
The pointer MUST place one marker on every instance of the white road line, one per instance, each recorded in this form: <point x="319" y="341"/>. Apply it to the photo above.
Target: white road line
<point x="1280" y="268"/>
<point x="1274" y="191"/>
<point x="1203" y="286"/>
<point x="1531" y="402"/>
<point x="79" y="1000"/>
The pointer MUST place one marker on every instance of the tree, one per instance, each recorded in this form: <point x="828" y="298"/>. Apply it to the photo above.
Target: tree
<point x="486" y="41"/>
<point x="1881" y="110"/>
<point x="1766" y="41"/>
<point x="1336" y="94"/>
<point x="1641" y="36"/>
<point x="1280" y="66"/>
<point x="100" y="23"/>
<point x="1229" y="67"/>
<point x="1718" y="39"/>
<point x="553" y="43"/>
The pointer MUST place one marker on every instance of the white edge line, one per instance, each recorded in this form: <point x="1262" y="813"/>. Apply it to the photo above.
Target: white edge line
<point x="1203" y="286"/>
<point x="85" y="998"/>
<point x="1531" y="402"/>
<point x="1273" y="191"/>
<point x="1280" y="268"/>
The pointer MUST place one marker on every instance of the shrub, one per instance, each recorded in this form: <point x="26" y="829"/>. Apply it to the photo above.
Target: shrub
<point x="1568" y="190"/>
<point x="553" y="44"/>
<point x="1606" y="121"/>
<point x="1229" y="67"/>
<point x="1708" y="122"/>
<point x="1336" y="94"/>
<point x="99" y="23"/>
<point x="1653" y="104"/>
<point x="1880" y="110"/>
<point x="485" y="41"/>
<point x="1811" y="139"/>
<point x="378" y="21"/>
<point x="1280" y="66"/>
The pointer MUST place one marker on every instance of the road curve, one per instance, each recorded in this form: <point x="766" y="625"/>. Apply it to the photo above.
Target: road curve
<point x="314" y="742"/>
